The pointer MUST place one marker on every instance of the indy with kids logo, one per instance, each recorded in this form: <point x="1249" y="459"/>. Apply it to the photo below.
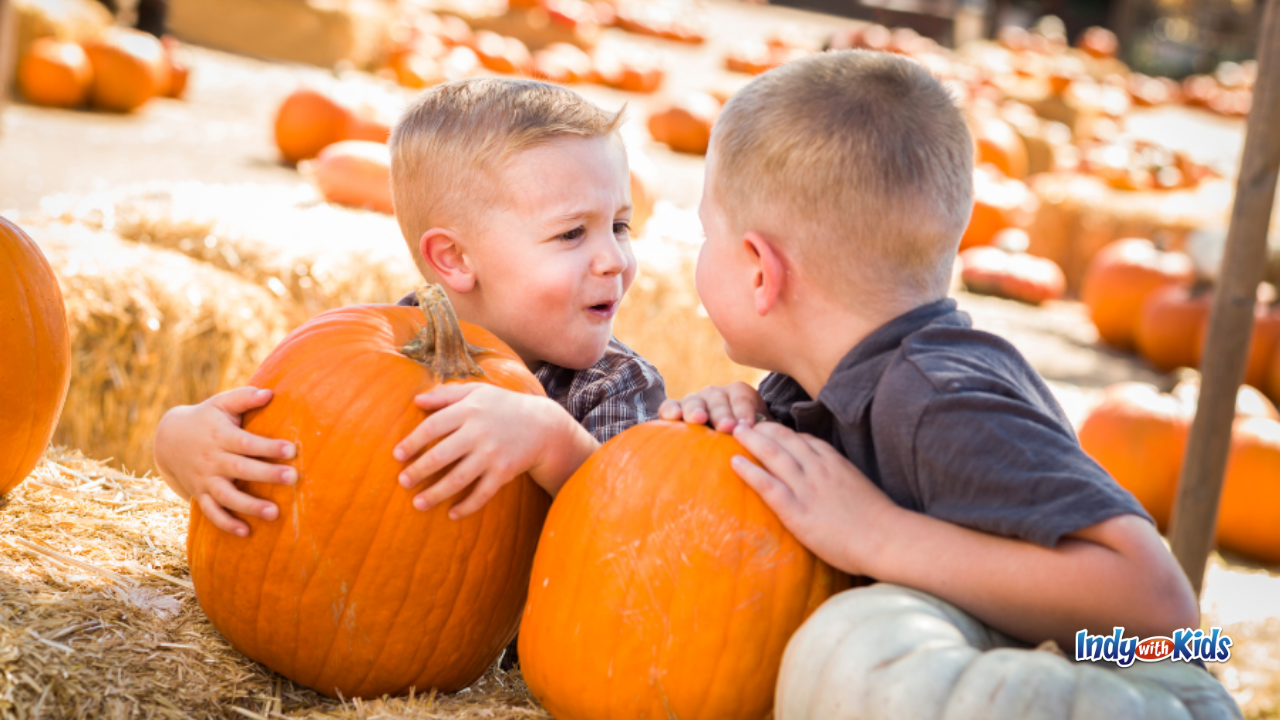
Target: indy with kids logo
<point x="1186" y="645"/>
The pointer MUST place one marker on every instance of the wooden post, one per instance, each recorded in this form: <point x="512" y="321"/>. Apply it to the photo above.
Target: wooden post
<point x="1231" y="318"/>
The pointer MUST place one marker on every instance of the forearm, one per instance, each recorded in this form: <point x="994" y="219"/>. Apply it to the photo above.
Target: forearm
<point x="1032" y="592"/>
<point x="567" y="446"/>
<point x="162" y="444"/>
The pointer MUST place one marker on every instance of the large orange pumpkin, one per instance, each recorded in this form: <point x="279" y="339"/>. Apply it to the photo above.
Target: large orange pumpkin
<point x="1139" y="435"/>
<point x="685" y="125"/>
<point x="354" y="172"/>
<point x="1120" y="277"/>
<point x="663" y="586"/>
<point x="1262" y="344"/>
<point x="1169" y="325"/>
<point x="1249" y="513"/>
<point x="352" y="590"/>
<point x="309" y="121"/>
<point x="35" y="367"/>
<point x="999" y="203"/>
<point x="55" y="73"/>
<point x="129" y="68"/>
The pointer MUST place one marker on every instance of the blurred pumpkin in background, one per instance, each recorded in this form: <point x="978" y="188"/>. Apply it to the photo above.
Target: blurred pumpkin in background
<point x="55" y="73"/>
<point x="129" y="68"/>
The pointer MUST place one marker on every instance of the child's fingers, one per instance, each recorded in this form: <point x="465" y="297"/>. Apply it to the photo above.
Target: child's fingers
<point x="241" y="442"/>
<point x="241" y="400"/>
<point x="445" y="395"/>
<point x="693" y="409"/>
<point x="776" y="458"/>
<point x="719" y="410"/>
<point x="227" y="495"/>
<point x="793" y="442"/>
<point x="771" y="489"/>
<point x="467" y="470"/>
<point x="436" y="426"/>
<point x="250" y="470"/>
<point x="485" y="489"/>
<point x="439" y="457"/>
<point x="670" y="409"/>
<point x="220" y="518"/>
<point x="746" y="403"/>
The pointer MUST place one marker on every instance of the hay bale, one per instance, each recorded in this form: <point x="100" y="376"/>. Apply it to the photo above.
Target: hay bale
<point x="150" y="329"/>
<point x="1079" y="214"/>
<point x="74" y="20"/>
<point x="98" y="618"/>
<point x="661" y="317"/>
<point x="284" y="238"/>
<point x="318" y="32"/>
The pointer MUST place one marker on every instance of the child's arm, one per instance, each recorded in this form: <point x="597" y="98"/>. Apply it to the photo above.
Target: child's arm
<point x="723" y="407"/>
<point x="1116" y="572"/>
<point x="201" y="451"/>
<point x="490" y="435"/>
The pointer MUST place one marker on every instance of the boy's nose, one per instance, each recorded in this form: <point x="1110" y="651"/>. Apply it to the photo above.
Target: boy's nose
<point x="610" y="260"/>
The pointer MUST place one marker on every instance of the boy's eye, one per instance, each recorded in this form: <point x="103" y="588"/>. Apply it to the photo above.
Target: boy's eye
<point x="574" y="234"/>
<point x="621" y="226"/>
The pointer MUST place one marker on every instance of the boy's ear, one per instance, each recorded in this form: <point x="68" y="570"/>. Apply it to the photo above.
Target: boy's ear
<point x="770" y="272"/>
<point x="444" y="253"/>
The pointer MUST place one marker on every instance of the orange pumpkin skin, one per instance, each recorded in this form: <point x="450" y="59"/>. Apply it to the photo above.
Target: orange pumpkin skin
<point x="355" y="172"/>
<point x="1169" y="325"/>
<point x="1249" y="512"/>
<point x="35" y="367"/>
<point x="352" y="590"/>
<point x="55" y="73"/>
<point x="1120" y="277"/>
<point x="1139" y="435"/>
<point x="663" y="586"/>
<point x="1262" y="345"/>
<point x="1017" y="276"/>
<point x="308" y="121"/>
<point x="997" y="143"/>
<point x="999" y="203"/>
<point x="129" y="68"/>
<point x="685" y="126"/>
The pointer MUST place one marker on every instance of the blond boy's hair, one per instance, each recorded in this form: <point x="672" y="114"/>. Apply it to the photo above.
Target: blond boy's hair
<point x="859" y="163"/>
<point x="451" y="143"/>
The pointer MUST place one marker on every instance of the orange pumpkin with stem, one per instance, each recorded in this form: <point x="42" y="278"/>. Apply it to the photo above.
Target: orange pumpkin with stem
<point x="55" y="73"/>
<point x="352" y="590"/>
<point x="129" y="68"/>
<point x="664" y="586"/>
<point x="1169" y="324"/>
<point x="35" y="367"/>
<point x="1119" y="279"/>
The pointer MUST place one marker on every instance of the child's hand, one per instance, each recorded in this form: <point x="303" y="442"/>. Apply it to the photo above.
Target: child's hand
<point x="826" y="502"/>
<point x="723" y="407"/>
<point x="201" y="450"/>
<point x="490" y="435"/>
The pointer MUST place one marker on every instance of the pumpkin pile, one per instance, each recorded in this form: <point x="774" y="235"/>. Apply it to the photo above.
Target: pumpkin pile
<point x="1004" y="269"/>
<point x="663" y="586"/>
<point x="118" y="70"/>
<point x="35" y="368"/>
<point x="1139" y="436"/>
<point x="353" y="591"/>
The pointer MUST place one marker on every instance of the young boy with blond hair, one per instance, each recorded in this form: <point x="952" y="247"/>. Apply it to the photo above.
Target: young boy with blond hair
<point x="893" y="439"/>
<point x="514" y="195"/>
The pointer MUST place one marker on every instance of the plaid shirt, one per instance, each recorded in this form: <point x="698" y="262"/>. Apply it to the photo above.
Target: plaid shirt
<point x="622" y="389"/>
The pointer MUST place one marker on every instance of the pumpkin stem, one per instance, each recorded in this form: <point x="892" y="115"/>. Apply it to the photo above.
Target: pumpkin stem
<point x="439" y="345"/>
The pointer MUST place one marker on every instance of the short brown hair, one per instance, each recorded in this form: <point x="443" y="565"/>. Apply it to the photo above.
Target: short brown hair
<point x="860" y="162"/>
<point x="452" y="140"/>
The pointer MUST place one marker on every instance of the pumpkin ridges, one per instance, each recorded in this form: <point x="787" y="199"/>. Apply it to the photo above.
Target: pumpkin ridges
<point x="387" y="569"/>
<point x="32" y="396"/>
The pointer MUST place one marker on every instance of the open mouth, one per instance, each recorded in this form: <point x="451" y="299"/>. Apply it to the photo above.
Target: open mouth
<point x="604" y="310"/>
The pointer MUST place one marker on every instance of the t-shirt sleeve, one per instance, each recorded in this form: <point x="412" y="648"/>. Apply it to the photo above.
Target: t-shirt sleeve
<point x="1002" y="466"/>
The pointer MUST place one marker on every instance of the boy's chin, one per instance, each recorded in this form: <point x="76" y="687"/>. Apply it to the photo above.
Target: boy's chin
<point x="581" y="357"/>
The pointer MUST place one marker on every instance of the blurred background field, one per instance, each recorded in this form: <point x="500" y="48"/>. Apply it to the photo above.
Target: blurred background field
<point x="186" y="248"/>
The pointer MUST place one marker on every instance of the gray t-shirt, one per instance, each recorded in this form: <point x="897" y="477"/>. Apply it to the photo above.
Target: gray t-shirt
<point x="954" y="423"/>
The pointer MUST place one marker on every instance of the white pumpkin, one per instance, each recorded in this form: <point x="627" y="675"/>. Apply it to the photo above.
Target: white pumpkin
<point x="887" y="652"/>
